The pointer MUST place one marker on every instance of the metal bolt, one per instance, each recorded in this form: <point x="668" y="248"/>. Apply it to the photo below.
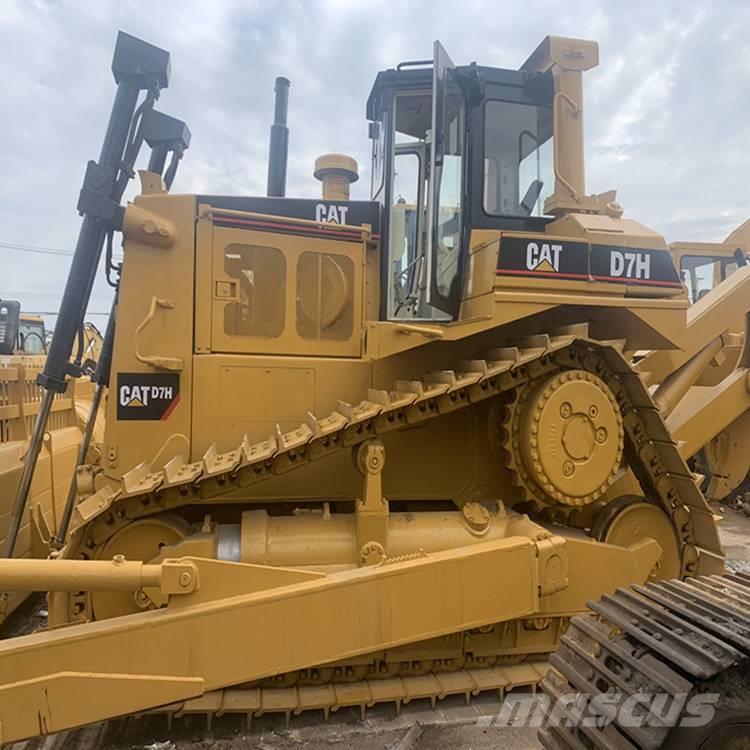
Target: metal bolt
<point x="568" y="468"/>
<point x="118" y="559"/>
<point x="601" y="435"/>
<point x="372" y="553"/>
<point x="593" y="411"/>
<point x="185" y="579"/>
<point x="476" y="516"/>
<point x="565" y="410"/>
<point x="141" y="599"/>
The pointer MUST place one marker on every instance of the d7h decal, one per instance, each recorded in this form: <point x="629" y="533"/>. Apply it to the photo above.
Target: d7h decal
<point x="627" y="265"/>
<point x="542" y="257"/>
<point x="143" y="396"/>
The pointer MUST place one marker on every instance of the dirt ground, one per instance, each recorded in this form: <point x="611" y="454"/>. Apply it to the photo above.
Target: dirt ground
<point x="452" y="725"/>
<point x="734" y="530"/>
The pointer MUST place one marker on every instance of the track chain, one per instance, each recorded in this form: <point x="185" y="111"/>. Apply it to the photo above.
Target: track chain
<point x="662" y="639"/>
<point x="254" y="702"/>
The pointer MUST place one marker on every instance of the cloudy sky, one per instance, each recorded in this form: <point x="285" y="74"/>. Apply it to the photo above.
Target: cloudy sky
<point x="666" y="111"/>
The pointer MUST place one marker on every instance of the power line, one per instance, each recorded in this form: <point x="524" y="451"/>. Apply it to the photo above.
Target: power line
<point x="57" y="312"/>
<point x="35" y="249"/>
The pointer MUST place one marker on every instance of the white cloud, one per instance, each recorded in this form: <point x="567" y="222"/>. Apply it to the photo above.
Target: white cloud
<point x="665" y="112"/>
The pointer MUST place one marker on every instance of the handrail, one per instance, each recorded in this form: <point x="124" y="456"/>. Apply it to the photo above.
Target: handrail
<point x="414" y="64"/>
<point x="362" y="228"/>
<point x="157" y="361"/>
<point x="429" y="332"/>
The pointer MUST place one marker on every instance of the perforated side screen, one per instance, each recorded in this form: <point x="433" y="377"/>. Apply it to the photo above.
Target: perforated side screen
<point x="260" y="291"/>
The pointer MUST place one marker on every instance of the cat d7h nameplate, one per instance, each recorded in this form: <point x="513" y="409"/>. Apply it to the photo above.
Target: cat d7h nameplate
<point x="147" y="397"/>
<point x="557" y="259"/>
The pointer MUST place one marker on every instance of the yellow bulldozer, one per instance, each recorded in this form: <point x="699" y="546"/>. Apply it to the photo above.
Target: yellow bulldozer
<point x="723" y="461"/>
<point x="370" y="451"/>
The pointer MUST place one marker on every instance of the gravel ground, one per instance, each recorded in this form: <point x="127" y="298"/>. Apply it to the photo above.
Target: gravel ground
<point x="734" y="530"/>
<point x="451" y="726"/>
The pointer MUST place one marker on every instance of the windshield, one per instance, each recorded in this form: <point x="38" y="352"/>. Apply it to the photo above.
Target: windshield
<point x="518" y="171"/>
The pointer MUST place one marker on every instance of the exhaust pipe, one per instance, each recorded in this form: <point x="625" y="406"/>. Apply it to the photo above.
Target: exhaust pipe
<point x="279" y="141"/>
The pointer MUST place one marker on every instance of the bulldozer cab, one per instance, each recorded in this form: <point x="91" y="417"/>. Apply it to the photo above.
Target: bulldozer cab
<point x="454" y="149"/>
<point x="20" y="333"/>
<point x="704" y="265"/>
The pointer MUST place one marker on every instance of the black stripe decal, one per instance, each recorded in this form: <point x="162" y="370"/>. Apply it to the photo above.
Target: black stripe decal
<point x="261" y="225"/>
<point x="548" y="258"/>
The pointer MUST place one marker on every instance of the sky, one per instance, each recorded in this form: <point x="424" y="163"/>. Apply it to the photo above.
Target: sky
<point x="665" y="112"/>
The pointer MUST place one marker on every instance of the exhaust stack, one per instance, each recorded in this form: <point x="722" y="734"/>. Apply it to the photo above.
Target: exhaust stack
<point x="279" y="147"/>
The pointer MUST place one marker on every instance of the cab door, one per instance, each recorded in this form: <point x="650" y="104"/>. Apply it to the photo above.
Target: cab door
<point x="446" y="238"/>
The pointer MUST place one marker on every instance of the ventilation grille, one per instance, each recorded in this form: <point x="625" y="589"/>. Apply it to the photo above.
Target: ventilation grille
<point x="259" y="289"/>
<point x="324" y="296"/>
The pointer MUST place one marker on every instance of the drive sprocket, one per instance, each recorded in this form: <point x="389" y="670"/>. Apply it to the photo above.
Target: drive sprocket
<point x="564" y="438"/>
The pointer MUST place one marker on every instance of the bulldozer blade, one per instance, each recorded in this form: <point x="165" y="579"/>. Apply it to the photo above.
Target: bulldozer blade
<point x="199" y="643"/>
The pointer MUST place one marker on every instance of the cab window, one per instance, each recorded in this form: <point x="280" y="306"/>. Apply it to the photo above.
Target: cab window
<point x="411" y="125"/>
<point x="378" y="133"/>
<point x="449" y="190"/>
<point x="407" y="214"/>
<point x="701" y="273"/>
<point x="518" y="168"/>
<point x="31" y="337"/>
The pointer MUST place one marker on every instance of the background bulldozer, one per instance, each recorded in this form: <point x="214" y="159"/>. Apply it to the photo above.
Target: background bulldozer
<point x="723" y="460"/>
<point x="23" y="344"/>
<point x="367" y="451"/>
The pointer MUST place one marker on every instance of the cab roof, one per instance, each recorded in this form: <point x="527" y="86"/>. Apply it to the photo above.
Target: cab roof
<point x="407" y="75"/>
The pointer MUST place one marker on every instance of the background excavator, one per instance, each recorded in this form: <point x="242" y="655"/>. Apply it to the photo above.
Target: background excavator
<point x="369" y="451"/>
